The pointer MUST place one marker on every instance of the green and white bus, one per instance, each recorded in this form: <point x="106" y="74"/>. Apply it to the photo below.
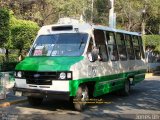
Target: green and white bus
<point x="77" y="60"/>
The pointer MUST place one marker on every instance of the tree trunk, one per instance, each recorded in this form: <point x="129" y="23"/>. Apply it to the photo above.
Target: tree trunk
<point x="7" y="55"/>
<point x="20" y="55"/>
<point x="143" y="27"/>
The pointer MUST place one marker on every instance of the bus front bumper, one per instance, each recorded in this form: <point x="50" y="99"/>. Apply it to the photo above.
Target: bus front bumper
<point x="61" y="95"/>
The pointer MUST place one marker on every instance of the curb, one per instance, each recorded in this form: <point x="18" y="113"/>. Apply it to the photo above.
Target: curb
<point x="148" y="75"/>
<point x="7" y="104"/>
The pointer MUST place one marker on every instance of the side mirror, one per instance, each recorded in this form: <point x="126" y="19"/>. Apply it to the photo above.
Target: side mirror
<point x="93" y="55"/>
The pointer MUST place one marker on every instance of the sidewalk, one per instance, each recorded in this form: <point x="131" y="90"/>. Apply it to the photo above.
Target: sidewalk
<point x="6" y="84"/>
<point x="152" y="75"/>
<point x="11" y="99"/>
<point x="148" y="75"/>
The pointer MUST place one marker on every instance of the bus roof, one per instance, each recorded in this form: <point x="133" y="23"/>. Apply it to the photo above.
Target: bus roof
<point x="68" y="25"/>
<point x="100" y="27"/>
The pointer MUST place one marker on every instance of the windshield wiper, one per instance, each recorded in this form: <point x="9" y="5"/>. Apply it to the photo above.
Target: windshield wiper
<point x="55" y="43"/>
<point x="82" y="42"/>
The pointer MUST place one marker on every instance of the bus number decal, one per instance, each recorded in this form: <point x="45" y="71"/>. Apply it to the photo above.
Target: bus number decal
<point x="92" y="70"/>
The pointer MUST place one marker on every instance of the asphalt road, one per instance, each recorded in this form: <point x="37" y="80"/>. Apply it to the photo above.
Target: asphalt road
<point x="142" y="104"/>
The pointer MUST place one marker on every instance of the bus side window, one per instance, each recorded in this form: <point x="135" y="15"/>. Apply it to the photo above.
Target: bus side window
<point x="112" y="47"/>
<point x="141" y="46"/>
<point x="136" y="47"/>
<point x="121" y="46"/>
<point x="100" y="43"/>
<point x="129" y="46"/>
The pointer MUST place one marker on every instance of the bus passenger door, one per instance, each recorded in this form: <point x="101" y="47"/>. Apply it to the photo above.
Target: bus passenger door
<point x="102" y="63"/>
<point x="92" y="56"/>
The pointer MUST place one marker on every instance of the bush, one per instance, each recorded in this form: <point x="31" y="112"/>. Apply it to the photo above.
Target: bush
<point x="2" y="58"/>
<point x="158" y="68"/>
<point x="13" y="57"/>
<point x="23" y="33"/>
<point x="8" y="66"/>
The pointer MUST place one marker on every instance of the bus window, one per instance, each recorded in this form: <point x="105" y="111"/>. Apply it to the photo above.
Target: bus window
<point x="129" y="46"/>
<point x="121" y="46"/>
<point x="61" y="44"/>
<point x="100" y="43"/>
<point x="136" y="47"/>
<point x="141" y="46"/>
<point x="112" y="47"/>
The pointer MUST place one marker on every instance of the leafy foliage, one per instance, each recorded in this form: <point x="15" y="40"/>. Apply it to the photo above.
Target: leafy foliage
<point x="130" y="13"/>
<point x="23" y="33"/>
<point x="13" y="57"/>
<point x="130" y="16"/>
<point x="4" y="26"/>
<point x="152" y="41"/>
<point x="2" y="57"/>
<point x="8" y="66"/>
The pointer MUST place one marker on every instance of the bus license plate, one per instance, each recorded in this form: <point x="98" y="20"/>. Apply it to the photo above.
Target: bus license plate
<point x="18" y="93"/>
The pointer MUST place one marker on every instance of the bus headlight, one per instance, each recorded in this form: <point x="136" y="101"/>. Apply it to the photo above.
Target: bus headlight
<point x="62" y="75"/>
<point x="19" y="74"/>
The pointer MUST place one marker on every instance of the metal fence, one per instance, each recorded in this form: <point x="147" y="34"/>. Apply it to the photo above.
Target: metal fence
<point x="6" y="83"/>
<point x="2" y="86"/>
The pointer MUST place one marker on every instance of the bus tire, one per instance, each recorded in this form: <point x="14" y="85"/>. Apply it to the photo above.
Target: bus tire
<point x="81" y="98"/>
<point x="126" y="89"/>
<point x="34" y="101"/>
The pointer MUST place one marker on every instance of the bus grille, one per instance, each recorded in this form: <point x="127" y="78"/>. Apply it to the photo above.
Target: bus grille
<point x="40" y="78"/>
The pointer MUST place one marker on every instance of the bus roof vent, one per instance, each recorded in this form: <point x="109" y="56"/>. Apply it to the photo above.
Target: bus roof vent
<point x="62" y="28"/>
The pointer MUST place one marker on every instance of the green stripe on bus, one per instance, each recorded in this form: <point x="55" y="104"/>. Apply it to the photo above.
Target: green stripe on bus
<point x="104" y="84"/>
<point x="48" y="63"/>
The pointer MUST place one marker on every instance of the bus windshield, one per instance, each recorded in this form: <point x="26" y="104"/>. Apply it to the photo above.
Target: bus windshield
<point x="64" y="44"/>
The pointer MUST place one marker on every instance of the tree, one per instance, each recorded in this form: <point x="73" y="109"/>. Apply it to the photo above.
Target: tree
<point x="132" y="15"/>
<point x="4" y="29"/>
<point x="153" y="18"/>
<point x="4" y="26"/>
<point x="23" y="33"/>
<point x="152" y="41"/>
<point x="101" y="12"/>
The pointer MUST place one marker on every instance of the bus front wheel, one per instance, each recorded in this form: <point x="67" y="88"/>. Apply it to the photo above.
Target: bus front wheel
<point x="81" y="98"/>
<point x="34" y="101"/>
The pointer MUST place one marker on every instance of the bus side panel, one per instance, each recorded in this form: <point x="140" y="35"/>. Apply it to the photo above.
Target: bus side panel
<point x="109" y="84"/>
<point x="140" y="76"/>
<point x="74" y="84"/>
<point x="102" y="86"/>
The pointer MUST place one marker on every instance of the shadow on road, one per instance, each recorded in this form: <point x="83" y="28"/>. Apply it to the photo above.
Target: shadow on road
<point x="144" y="98"/>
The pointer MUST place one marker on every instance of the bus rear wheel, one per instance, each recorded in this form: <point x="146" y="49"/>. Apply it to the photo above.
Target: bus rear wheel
<point x="126" y="89"/>
<point x="34" y="101"/>
<point x="80" y="100"/>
